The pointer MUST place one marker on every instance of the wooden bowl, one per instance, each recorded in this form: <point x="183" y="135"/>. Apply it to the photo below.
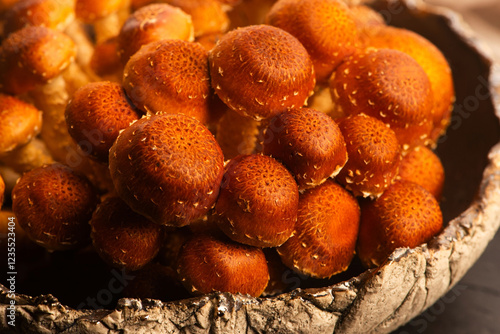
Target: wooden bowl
<point x="374" y="301"/>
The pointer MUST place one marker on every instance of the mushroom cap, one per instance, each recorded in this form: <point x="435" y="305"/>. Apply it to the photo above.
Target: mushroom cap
<point x="258" y="201"/>
<point x="208" y="263"/>
<point x="374" y="155"/>
<point x="208" y="15"/>
<point x="432" y="61"/>
<point x="105" y="59"/>
<point x="366" y="18"/>
<point x="260" y="71"/>
<point x="96" y="114"/>
<point x="170" y="76"/>
<point x="308" y="142"/>
<point x="422" y="166"/>
<point x="168" y="168"/>
<point x="326" y="28"/>
<point x="391" y="86"/>
<point x="406" y="215"/>
<point x="2" y="191"/>
<point x="33" y="56"/>
<point x="123" y="238"/>
<point x="19" y="122"/>
<point x="324" y="240"/>
<point x="54" y="204"/>
<point x="92" y="10"/>
<point x="151" y="23"/>
<point x="54" y="14"/>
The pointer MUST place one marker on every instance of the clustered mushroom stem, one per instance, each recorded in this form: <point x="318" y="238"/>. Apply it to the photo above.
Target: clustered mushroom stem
<point x="33" y="154"/>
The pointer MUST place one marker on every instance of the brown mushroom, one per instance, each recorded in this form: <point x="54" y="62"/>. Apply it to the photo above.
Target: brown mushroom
<point x="54" y="204"/>
<point x="105" y="61"/>
<point x="422" y="166"/>
<point x="96" y="114"/>
<point x="20" y="123"/>
<point x="207" y="264"/>
<point x="374" y="155"/>
<point x="2" y="191"/>
<point x="325" y="27"/>
<point x="152" y="23"/>
<point x="167" y="168"/>
<point x="390" y="86"/>
<point x="123" y="238"/>
<point x="406" y="215"/>
<point x="258" y="200"/>
<point x="170" y="76"/>
<point x="324" y="240"/>
<point x="272" y="70"/>
<point x="308" y="142"/>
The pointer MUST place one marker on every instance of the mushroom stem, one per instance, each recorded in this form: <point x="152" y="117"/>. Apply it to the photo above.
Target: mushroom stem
<point x="85" y="48"/>
<point x="33" y="154"/>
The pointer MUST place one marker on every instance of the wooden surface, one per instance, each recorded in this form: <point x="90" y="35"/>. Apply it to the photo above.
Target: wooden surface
<point x="473" y="305"/>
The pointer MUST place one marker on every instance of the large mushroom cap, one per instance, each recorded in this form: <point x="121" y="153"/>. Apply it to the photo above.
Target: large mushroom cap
<point x="260" y="71"/>
<point x="168" y="168"/>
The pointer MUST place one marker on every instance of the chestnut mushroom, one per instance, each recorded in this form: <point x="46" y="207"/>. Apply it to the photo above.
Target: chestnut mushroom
<point x="308" y="142"/>
<point x="54" y="204"/>
<point x="152" y="23"/>
<point x="406" y="215"/>
<point x="105" y="61"/>
<point x="20" y="123"/>
<point x="432" y="61"/>
<point x="207" y="263"/>
<point x="422" y="166"/>
<point x="170" y="76"/>
<point x="258" y="200"/>
<point x="374" y="155"/>
<point x="324" y="240"/>
<point x="260" y="71"/>
<point x="96" y="114"/>
<point x="123" y="238"/>
<point x="326" y="28"/>
<point x="168" y="168"/>
<point x="391" y="86"/>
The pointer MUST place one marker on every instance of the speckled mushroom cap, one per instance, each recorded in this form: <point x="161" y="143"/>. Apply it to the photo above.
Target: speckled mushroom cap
<point x="19" y="122"/>
<point x="406" y="215"/>
<point x="260" y="71"/>
<point x="54" y="204"/>
<point x="167" y="168"/>
<point x="123" y="238"/>
<point x="95" y="115"/>
<point x="326" y="28"/>
<point x="32" y="56"/>
<point x="324" y="240"/>
<point x="54" y="14"/>
<point x="432" y="61"/>
<point x="390" y="86"/>
<point x="152" y="23"/>
<point x="258" y="201"/>
<point x="373" y="153"/>
<point x="170" y="76"/>
<point x="308" y="142"/>
<point x="210" y="263"/>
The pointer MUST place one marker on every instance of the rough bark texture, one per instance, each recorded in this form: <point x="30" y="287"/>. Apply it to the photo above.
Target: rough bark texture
<point x="377" y="301"/>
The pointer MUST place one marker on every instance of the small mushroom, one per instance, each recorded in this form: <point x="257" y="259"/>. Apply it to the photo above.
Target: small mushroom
<point x="167" y="168"/>
<point x="170" y="76"/>
<point x="390" y="86"/>
<point x="272" y="70"/>
<point x="123" y="238"/>
<point x="374" y="155"/>
<point x="105" y="61"/>
<point x="406" y="215"/>
<point x="324" y="240"/>
<point x="258" y="200"/>
<point x="207" y="263"/>
<point x="20" y="123"/>
<point x="422" y="166"/>
<point x="326" y="28"/>
<point x="152" y="23"/>
<point x="54" y="204"/>
<point x="432" y="61"/>
<point x="308" y="142"/>
<point x="96" y="114"/>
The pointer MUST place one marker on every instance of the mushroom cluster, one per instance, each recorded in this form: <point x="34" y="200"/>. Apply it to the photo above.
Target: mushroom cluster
<point x="217" y="144"/>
